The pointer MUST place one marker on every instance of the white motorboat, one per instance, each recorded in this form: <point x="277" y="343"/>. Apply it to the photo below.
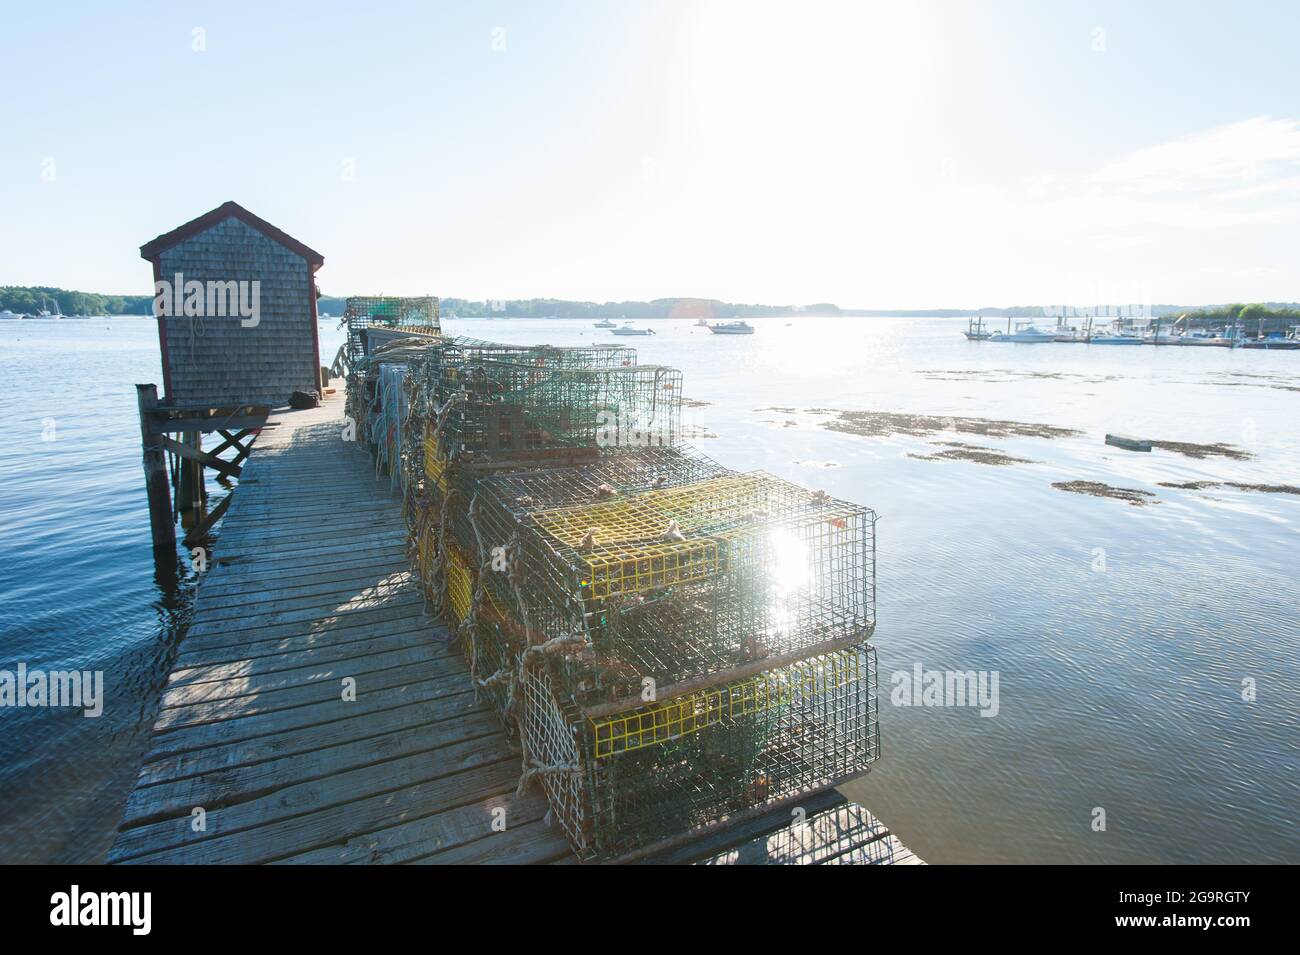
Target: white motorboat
<point x="605" y="323"/>
<point x="629" y="330"/>
<point x="732" y="328"/>
<point x="1115" y="338"/>
<point x="1025" y="333"/>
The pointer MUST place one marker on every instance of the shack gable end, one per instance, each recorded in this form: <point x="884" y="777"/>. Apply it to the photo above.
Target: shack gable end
<point x="215" y="359"/>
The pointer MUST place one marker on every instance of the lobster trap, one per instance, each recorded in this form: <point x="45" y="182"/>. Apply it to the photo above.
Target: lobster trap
<point x="504" y="408"/>
<point x="394" y="316"/>
<point x="461" y="350"/>
<point x="444" y="412"/>
<point x="670" y="643"/>
<point x="624" y="781"/>
<point x="676" y="583"/>
<point x="623" y="470"/>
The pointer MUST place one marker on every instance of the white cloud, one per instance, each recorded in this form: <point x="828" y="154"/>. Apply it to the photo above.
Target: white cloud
<point x="1241" y="152"/>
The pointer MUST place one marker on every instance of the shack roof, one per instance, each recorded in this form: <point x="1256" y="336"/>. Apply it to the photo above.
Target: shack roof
<point x="151" y="250"/>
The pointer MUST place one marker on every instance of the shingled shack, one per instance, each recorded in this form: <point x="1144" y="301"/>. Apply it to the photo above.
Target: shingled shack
<point x="224" y="339"/>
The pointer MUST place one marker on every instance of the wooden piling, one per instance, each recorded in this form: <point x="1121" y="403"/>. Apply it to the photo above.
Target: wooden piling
<point x="161" y="523"/>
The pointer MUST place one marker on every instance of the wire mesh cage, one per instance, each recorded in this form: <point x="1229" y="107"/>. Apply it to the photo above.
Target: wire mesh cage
<point x="622" y="470"/>
<point x="388" y="419"/>
<point x="408" y="314"/>
<point x="671" y="584"/>
<point x="502" y="408"/>
<point x="626" y="781"/>
<point x="585" y="559"/>
<point x="436" y="395"/>
<point x="461" y="350"/>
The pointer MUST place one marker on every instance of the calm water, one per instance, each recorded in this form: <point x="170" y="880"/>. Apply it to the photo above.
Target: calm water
<point x="1119" y="688"/>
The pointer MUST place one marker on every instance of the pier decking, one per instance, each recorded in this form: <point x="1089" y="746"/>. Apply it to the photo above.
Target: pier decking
<point x="260" y="754"/>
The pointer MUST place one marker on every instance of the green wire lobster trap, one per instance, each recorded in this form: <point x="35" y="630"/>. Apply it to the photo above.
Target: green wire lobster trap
<point x="406" y="315"/>
<point x="628" y="780"/>
<point x="503" y="408"/>
<point x="671" y="584"/>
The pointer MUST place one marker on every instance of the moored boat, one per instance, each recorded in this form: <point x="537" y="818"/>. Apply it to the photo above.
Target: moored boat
<point x="732" y="328"/>
<point x="1025" y="333"/>
<point x="1274" y="343"/>
<point x="1204" y="340"/>
<point x="1115" y="338"/>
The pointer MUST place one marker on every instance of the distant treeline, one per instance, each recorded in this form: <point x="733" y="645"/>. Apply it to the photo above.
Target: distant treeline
<point x="1265" y="317"/>
<point x="562" y="308"/>
<point x="31" y="299"/>
<point x="712" y="308"/>
<point x="1276" y="316"/>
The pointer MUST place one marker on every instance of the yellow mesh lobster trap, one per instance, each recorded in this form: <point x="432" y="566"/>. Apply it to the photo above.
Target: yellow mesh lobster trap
<point x="673" y="719"/>
<point x="645" y="516"/>
<point x="460" y="581"/>
<point x="435" y="465"/>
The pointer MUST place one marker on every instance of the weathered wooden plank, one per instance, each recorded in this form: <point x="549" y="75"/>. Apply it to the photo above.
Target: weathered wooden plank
<point x="199" y="736"/>
<point x="311" y="619"/>
<point x="343" y="527"/>
<point x="191" y="425"/>
<point x="260" y="601"/>
<point x="324" y="510"/>
<point x="307" y="815"/>
<point x="309" y="550"/>
<point x="533" y="843"/>
<point x="292" y="540"/>
<point x="255" y="592"/>
<point x="309" y="658"/>
<point x="227" y="787"/>
<point x="417" y="838"/>
<point x="258" y="684"/>
<point x="257" y="564"/>
<point x="415" y="624"/>
<point x="303" y="739"/>
<point x="228" y="636"/>
<point x="346" y="575"/>
<point x="330" y="671"/>
<point x="295" y="696"/>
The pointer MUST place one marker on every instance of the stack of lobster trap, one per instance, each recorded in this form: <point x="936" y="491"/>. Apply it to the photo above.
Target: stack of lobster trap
<point x="670" y="643"/>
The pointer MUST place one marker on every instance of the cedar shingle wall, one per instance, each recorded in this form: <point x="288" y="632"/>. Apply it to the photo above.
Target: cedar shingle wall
<point x="216" y="359"/>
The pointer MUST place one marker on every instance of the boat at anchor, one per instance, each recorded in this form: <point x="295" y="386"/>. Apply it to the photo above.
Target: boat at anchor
<point x="732" y="328"/>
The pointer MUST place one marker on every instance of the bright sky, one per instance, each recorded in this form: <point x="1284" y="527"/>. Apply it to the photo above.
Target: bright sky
<point x="893" y="154"/>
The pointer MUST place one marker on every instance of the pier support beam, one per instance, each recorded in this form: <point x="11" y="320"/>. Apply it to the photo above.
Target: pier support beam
<point x="155" y="478"/>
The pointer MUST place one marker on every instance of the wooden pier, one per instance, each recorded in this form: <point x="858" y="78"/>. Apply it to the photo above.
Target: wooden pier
<point x="316" y="713"/>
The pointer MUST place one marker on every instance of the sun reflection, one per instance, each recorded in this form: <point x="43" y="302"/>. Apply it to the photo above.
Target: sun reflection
<point x="790" y="570"/>
<point x="789" y="573"/>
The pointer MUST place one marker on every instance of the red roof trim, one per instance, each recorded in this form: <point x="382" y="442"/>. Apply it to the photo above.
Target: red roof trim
<point x="151" y="250"/>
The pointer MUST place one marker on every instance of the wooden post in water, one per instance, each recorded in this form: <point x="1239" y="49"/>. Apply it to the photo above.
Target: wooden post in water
<point x="155" y="477"/>
<point x="190" y="491"/>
